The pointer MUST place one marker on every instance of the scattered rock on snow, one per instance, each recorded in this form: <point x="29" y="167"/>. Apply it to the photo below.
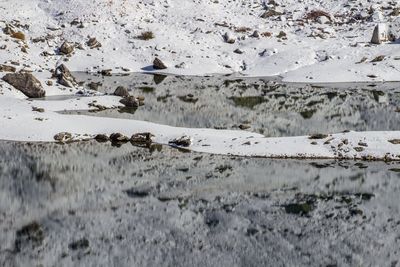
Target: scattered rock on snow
<point x="101" y="138"/>
<point x="318" y="136"/>
<point x="66" y="48"/>
<point x="229" y="38"/>
<point x="26" y="83"/>
<point x="158" y="64"/>
<point x="93" y="43"/>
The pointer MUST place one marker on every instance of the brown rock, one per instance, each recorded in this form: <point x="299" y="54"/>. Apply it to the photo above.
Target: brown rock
<point x="5" y="68"/>
<point x="66" y="48"/>
<point x="26" y="83"/>
<point x="64" y="76"/>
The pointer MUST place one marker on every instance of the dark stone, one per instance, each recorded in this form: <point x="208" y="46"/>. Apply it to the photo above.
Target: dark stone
<point x="130" y="102"/>
<point x="65" y="77"/>
<point x="79" y="244"/>
<point x="158" y="64"/>
<point x="29" y="235"/>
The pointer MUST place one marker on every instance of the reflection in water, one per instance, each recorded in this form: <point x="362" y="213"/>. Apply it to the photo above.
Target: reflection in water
<point x="89" y="203"/>
<point x="269" y="107"/>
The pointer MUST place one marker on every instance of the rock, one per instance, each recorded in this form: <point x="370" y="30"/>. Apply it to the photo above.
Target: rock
<point x="64" y="76"/>
<point x="63" y="137"/>
<point x="244" y="126"/>
<point x="394" y="141"/>
<point x="36" y="109"/>
<point x="118" y="137"/>
<point x="18" y="35"/>
<point x="318" y="136"/>
<point x="142" y="138"/>
<point x="93" y="43"/>
<point x="121" y="91"/>
<point x="323" y="20"/>
<point x="30" y="236"/>
<point x="272" y="13"/>
<point x="66" y="48"/>
<point x="130" y="102"/>
<point x="378" y="59"/>
<point x="6" y="68"/>
<point x="380" y="34"/>
<point x="238" y="51"/>
<point x="158" y="64"/>
<point x="256" y="34"/>
<point x="79" y="244"/>
<point x="184" y="141"/>
<point x="106" y="72"/>
<point x="26" y="83"/>
<point x="181" y="65"/>
<point x="229" y="38"/>
<point x="101" y="138"/>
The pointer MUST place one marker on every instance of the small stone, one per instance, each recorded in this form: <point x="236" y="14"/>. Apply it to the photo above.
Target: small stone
<point x="106" y="72"/>
<point x="79" y="245"/>
<point x="121" y="91"/>
<point x="40" y="110"/>
<point x="130" y="102"/>
<point x="18" y="35"/>
<point x="238" y="51"/>
<point x="66" y="48"/>
<point x="63" y="137"/>
<point x="183" y="141"/>
<point x="101" y="138"/>
<point x="158" y="64"/>
<point x="26" y="83"/>
<point x="93" y="43"/>
<point x="118" y="137"/>
<point x="358" y="148"/>
<point x="229" y="38"/>
<point x="181" y="65"/>
<point x="244" y="126"/>
<point x="378" y="59"/>
<point x="256" y="34"/>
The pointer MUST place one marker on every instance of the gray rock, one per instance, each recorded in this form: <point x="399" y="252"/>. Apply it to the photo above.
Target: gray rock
<point x="158" y="64"/>
<point x="121" y="91"/>
<point x="26" y="83"/>
<point x="118" y="137"/>
<point x="63" y="137"/>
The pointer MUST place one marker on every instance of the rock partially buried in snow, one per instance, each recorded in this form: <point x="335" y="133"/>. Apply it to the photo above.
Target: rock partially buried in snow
<point x="184" y="141"/>
<point x="6" y="68"/>
<point x="65" y="77"/>
<point x="142" y="138"/>
<point x="158" y="64"/>
<point x="63" y="137"/>
<point x="229" y="38"/>
<point x="26" y="83"/>
<point x="93" y="43"/>
<point x="380" y="34"/>
<point x="121" y="91"/>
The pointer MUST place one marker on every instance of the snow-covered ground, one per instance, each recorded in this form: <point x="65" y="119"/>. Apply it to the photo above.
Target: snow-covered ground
<point x="197" y="38"/>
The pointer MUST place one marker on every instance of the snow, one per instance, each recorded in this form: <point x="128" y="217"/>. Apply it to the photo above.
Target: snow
<point x="192" y="32"/>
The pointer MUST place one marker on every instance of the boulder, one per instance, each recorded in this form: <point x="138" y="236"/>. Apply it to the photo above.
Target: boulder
<point x="380" y="34"/>
<point x="158" y="64"/>
<point x="66" y="48"/>
<point x="121" y="91"/>
<point x="229" y="38"/>
<point x="64" y="76"/>
<point x="26" y="83"/>
<point x="130" y="102"/>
